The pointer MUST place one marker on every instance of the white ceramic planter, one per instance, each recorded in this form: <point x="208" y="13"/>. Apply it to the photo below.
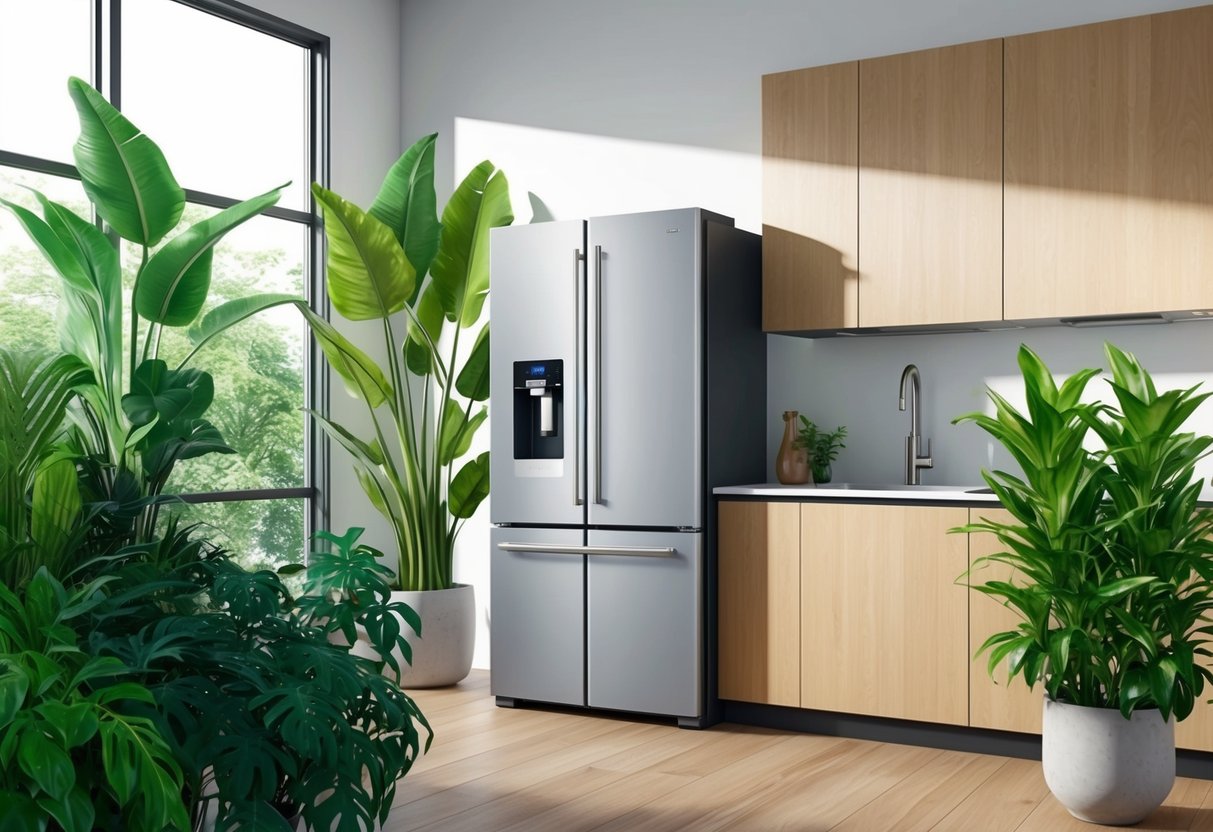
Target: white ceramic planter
<point x="442" y="654"/>
<point x="1104" y="768"/>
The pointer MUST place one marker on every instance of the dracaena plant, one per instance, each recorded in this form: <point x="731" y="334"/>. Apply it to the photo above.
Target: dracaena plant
<point x="1110" y="550"/>
<point x="397" y="265"/>
<point x="140" y="415"/>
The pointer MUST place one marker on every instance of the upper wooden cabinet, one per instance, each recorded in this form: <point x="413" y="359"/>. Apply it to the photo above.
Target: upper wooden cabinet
<point x="882" y="619"/>
<point x="1109" y="167"/>
<point x="930" y="186"/>
<point x="810" y="183"/>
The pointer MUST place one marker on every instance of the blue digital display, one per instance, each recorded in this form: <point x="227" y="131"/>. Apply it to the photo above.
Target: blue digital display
<point x="538" y="370"/>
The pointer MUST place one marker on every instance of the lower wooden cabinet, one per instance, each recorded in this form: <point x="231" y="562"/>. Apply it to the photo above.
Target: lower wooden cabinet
<point x="993" y="702"/>
<point x="759" y="602"/>
<point x="882" y="619"/>
<point x="857" y="608"/>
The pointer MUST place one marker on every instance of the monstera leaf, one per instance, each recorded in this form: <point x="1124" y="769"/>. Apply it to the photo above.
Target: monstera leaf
<point x="174" y="397"/>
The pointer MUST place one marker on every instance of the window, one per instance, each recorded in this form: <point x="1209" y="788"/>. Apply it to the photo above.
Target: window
<point x="235" y="100"/>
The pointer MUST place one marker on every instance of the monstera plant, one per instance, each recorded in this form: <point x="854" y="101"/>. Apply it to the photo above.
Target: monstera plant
<point x="140" y="415"/>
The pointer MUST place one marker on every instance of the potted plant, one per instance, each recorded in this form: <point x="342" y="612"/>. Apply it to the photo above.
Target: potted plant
<point x="397" y="265"/>
<point x="822" y="447"/>
<point x="1113" y="584"/>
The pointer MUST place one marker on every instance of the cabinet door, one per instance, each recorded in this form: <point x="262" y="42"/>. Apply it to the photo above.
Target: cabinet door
<point x="995" y="703"/>
<point x="882" y="616"/>
<point x="1109" y="167"/>
<point x="758" y="614"/>
<point x="930" y="186"/>
<point x="810" y="180"/>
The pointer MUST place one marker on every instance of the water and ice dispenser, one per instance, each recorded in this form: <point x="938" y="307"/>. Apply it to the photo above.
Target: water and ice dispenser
<point x="539" y="409"/>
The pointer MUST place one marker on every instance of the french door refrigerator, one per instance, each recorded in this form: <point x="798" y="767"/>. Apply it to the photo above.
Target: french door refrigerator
<point x="627" y="379"/>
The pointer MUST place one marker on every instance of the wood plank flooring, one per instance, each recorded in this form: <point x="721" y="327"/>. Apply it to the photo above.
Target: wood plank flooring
<point x="501" y="770"/>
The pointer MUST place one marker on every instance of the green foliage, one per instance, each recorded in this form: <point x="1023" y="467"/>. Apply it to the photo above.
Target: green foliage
<point x="822" y="446"/>
<point x="396" y="258"/>
<point x="39" y="496"/>
<point x="72" y="750"/>
<point x="1109" y="545"/>
<point x="266" y="714"/>
<point x="349" y="590"/>
<point x="144" y="431"/>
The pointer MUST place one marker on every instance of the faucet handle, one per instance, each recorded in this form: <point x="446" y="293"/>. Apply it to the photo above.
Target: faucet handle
<point x="926" y="461"/>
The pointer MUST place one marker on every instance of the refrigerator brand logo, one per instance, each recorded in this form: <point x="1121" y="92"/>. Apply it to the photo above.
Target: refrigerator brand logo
<point x="671" y="231"/>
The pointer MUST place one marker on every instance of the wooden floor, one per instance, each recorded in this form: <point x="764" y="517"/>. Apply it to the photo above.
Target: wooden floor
<point x="496" y="770"/>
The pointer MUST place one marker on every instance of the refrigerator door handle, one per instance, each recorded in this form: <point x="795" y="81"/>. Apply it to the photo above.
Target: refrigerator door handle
<point x="578" y="259"/>
<point x="598" y="377"/>
<point x="614" y="551"/>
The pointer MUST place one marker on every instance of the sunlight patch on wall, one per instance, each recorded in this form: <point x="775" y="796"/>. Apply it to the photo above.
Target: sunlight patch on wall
<point x="576" y="175"/>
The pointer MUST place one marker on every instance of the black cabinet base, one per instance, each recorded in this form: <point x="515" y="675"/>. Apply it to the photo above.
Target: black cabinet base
<point x="1198" y="764"/>
<point x="692" y="722"/>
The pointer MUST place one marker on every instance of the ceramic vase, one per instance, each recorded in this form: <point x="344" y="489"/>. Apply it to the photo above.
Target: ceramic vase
<point x="792" y="461"/>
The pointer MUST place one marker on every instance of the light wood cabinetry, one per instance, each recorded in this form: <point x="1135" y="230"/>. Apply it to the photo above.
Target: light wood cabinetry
<point x="810" y="182"/>
<point x="882" y="619"/>
<point x="759" y="602"/>
<point x="930" y="186"/>
<point x="995" y="703"/>
<point x="1109" y="167"/>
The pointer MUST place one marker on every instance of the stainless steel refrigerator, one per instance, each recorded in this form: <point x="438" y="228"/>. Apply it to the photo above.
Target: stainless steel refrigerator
<point x="627" y="380"/>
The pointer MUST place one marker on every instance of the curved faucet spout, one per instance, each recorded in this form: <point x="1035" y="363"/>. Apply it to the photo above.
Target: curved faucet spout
<point x="910" y="374"/>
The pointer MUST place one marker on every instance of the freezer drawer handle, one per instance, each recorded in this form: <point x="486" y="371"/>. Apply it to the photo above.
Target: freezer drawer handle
<point x="615" y="551"/>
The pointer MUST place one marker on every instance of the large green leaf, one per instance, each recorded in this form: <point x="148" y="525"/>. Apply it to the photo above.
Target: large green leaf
<point x="123" y="172"/>
<point x="473" y="380"/>
<point x="470" y="486"/>
<point x="368" y="275"/>
<point x="46" y="763"/>
<point x="172" y="288"/>
<point x="428" y="311"/>
<point x="461" y="267"/>
<point x="56" y="505"/>
<point x="406" y="204"/>
<point x="362" y="376"/>
<point x="232" y="312"/>
<point x="457" y="429"/>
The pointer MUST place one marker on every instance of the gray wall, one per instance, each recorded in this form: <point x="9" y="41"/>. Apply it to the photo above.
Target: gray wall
<point x="634" y="105"/>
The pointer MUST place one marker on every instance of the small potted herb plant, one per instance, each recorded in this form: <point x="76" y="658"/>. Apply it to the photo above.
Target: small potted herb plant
<point x="822" y="446"/>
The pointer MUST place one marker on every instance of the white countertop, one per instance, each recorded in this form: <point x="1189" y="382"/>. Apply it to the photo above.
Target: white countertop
<point x="862" y="491"/>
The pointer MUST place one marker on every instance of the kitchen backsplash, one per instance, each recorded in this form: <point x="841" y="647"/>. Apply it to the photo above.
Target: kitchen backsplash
<point x="854" y="382"/>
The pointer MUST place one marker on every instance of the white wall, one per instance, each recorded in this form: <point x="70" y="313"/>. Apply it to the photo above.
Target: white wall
<point x="633" y="105"/>
<point x="365" y="107"/>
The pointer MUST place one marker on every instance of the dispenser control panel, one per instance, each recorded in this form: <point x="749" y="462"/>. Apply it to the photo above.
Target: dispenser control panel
<point x="537" y="374"/>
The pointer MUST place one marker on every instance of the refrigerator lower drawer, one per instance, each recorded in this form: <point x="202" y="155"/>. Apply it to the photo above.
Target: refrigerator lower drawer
<point x="537" y="647"/>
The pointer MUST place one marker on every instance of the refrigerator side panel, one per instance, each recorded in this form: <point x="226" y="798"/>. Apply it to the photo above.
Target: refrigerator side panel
<point x="538" y="619"/>
<point x="645" y="370"/>
<point x="537" y="385"/>
<point x="645" y="623"/>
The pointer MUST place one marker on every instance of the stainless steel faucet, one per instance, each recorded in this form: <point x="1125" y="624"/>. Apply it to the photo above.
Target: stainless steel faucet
<point x="914" y="462"/>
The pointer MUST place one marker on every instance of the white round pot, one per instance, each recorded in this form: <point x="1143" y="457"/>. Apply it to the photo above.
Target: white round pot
<point x="442" y="654"/>
<point x="1104" y="768"/>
